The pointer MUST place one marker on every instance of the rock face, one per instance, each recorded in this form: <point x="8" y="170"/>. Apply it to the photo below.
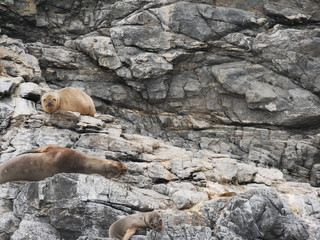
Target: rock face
<point x="213" y="105"/>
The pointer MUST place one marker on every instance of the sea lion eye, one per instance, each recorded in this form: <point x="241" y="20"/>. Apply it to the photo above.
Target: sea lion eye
<point x="54" y="99"/>
<point x="45" y="100"/>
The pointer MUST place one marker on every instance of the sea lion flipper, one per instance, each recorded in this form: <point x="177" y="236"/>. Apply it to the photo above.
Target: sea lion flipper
<point x="29" y="151"/>
<point x="42" y="149"/>
<point x="129" y="233"/>
<point x="45" y="148"/>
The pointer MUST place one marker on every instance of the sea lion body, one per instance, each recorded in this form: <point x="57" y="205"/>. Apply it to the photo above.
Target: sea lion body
<point x="70" y="99"/>
<point x="46" y="161"/>
<point x="125" y="227"/>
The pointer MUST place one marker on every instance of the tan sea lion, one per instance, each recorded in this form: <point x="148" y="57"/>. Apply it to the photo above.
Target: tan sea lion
<point x="125" y="227"/>
<point x="70" y="99"/>
<point x="45" y="161"/>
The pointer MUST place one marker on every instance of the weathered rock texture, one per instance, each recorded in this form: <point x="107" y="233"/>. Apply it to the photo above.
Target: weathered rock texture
<point x="213" y="105"/>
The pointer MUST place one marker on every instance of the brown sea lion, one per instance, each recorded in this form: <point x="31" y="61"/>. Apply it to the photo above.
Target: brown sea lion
<point x="45" y="161"/>
<point x="125" y="227"/>
<point x="70" y="99"/>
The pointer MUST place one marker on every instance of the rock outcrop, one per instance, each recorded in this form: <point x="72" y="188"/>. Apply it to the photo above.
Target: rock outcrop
<point x="213" y="105"/>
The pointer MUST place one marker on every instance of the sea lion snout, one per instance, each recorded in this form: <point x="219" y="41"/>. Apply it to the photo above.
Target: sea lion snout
<point x="49" y="102"/>
<point x="116" y="169"/>
<point x="159" y="228"/>
<point x="155" y="221"/>
<point x="123" y="168"/>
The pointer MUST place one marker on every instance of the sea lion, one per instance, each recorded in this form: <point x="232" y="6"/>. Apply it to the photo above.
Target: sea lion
<point x="70" y="99"/>
<point x="46" y="161"/>
<point x="125" y="227"/>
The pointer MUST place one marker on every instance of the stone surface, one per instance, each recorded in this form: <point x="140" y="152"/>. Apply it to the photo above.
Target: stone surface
<point x="213" y="105"/>
<point x="30" y="91"/>
<point x="8" y="85"/>
<point x="259" y="214"/>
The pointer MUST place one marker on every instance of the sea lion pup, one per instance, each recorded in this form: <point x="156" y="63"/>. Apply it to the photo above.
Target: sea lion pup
<point x="46" y="161"/>
<point x="125" y="227"/>
<point x="70" y="99"/>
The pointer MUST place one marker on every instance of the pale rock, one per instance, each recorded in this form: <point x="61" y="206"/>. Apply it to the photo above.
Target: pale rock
<point x="158" y="172"/>
<point x="119" y="193"/>
<point x="182" y="232"/>
<point x="199" y="123"/>
<point x="221" y="190"/>
<point x="124" y="73"/>
<point x="268" y="176"/>
<point x="30" y="91"/>
<point x="187" y="198"/>
<point x="149" y="65"/>
<point x="101" y="50"/>
<point x="6" y="111"/>
<point x="10" y="190"/>
<point x="31" y="226"/>
<point x="315" y="175"/>
<point x="88" y="122"/>
<point x="64" y="119"/>
<point x="245" y="173"/>
<point x="15" y="61"/>
<point x="185" y="166"/>
<point x="307" y="206"/>
<point x="225" y="170"/>
<point x="9" y="223"/>
<point x="8" y="85"/>
<point x="24" y="107"/>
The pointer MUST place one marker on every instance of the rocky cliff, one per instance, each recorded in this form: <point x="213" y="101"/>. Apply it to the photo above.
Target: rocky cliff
<point x="213" y="105"/>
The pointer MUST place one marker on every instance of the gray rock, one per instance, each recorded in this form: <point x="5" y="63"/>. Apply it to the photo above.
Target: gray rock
<point x="291" y="61"/>
<point x="245" y="173"/>
<point x="8" y="85"/>
<point x="9" y="190"/>
<point x="183" y="232"/>
<point x="33" y="228"/>
<point x="260" y="213"/>
<point x="30" y="91"/>
<point x="101" y="50"/>
<point x="6" y="111"/>
<point x="16" y="62"/>
<point x="187" y="198"/>
<point x="268" y="95"/>
<point x="24" y="139"/>
<point x="204" y="19"/>
<point x="225" y="170"/>
<point x="294" y="14"/>
<point x="315" y="175"/>
<point x="23" y="107"/>
<point x="9" y="223"/>
<point x="149" y="65"/>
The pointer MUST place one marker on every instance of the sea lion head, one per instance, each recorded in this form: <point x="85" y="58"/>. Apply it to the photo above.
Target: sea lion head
<point x="50" y="102"/>
<point x="115" y="169"/>
<point x="154" y="221"/>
